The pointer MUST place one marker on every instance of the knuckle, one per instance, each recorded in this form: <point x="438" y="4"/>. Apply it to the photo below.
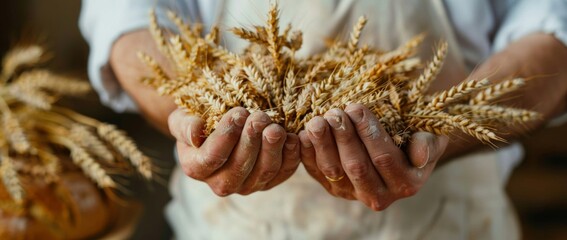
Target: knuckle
<point x="267" y="175"/>
<point x="213" y="160"/>
<point x="357" y="169"/>
<point x="223" y="189"/>
<point x="383" y="160"/>
<point x="188" y="171"/>
<point x="407" y="191"/>
<point x="332" y="171"/>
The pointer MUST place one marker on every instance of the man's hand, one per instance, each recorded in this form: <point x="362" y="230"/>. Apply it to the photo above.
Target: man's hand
<point x="246" y="152"/>
<point x="353" y="157"/>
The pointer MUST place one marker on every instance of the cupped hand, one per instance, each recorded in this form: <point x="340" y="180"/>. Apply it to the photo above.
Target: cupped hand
<point x="353" y="157"/>
<point x="244" y="154"/>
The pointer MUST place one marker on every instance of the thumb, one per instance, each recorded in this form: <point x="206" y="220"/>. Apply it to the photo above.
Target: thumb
<point x="186" y="128"/>
<point x="426" y="148"/>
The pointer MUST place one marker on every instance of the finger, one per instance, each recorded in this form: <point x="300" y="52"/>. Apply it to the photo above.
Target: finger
<point x="355" y="160"/>
<point x="307" y="154"/>
<point x="199" y="163"/>
<point x="269" y="159"/>
<point x="290" y="161"/>
<point x="327" y="156"/>
<point x="426" y="148"/>
<point x="186" y="128"/>
<point x="386" y="157"/>
<point x="230" y="177"/>
<point x="429" y="149"/>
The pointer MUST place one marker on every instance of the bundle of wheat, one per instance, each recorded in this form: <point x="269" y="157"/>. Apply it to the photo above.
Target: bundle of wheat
<point x="41" y="145"/>
<point x="267" y="76"/>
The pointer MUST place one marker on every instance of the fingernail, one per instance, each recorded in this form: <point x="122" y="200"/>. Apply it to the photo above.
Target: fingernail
<point x="238" y="119"/>
<point x="429" y="139"/>
<point x="356" y="115"/>
<point x="316" y="127"/>
<point x="290" y="146"/>
<point x="190" y="138"/>
<point x="335" y="120"/>
<point x="257" y="127"/>
<point x="273" y="139"/>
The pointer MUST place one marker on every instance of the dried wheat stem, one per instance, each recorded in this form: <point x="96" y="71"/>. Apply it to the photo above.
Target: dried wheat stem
<point x="421" y="84"/>
<point x="157" y="34"/>
<point x="15" y="134"/>
<point x="250" y="36"/>
<point x="273" y="33"/>
<point x="42" y="79"/>
<point x="473" y="129"/>
<point x="214" y="35"/>
<point x="159" y="74"/>
<point x="125" y="145"/>
<point x="11" y="180"/>
<point x="495" y="91"/>
<point x="355" y="34"/>
<point x="88" y="140"/>
<point x="32" y="97"/>
<point x="496" y="113"/>
<point x="184" y="28"/>
<point x="19" y="57"/>
<point x="455" y="94"/>
<point x="217" y="85"/>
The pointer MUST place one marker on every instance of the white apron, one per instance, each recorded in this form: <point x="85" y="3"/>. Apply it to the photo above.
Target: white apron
<point x="462" y="200"/>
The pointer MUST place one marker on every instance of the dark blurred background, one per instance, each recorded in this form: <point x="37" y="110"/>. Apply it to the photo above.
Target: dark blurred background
<point x="54" y="24"/>
<point x="538" y="187"/>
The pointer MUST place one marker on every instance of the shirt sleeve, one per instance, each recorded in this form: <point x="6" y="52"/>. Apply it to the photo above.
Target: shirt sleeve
<point x="524" y="17"/>
<point x="102" y="22"/>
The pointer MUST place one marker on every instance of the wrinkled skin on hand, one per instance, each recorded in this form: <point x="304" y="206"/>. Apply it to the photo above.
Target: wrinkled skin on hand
<point x="351" y="155"/>
<point x="246" y="153"/>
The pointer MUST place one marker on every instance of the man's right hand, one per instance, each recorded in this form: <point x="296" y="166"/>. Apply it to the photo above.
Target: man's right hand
<point x="244" y="154"/>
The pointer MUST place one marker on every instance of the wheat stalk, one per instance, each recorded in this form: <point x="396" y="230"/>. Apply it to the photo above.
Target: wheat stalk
<point x="268" y="77"/>
<point x="11" y="180"/>
<point x="126" y="147"/>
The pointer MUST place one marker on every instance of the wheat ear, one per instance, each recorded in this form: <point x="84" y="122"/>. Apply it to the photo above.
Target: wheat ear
<point x="495" y="91"/>
<point x="456" y="93"/>
<point x="11" y="180"/>
<point x="125" y="145"/>
<point x="421" y="84"/>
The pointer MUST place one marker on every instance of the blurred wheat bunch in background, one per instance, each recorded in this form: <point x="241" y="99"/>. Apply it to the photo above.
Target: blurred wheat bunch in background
<point x="209" y="80"/>
<point x="39" y="140"/>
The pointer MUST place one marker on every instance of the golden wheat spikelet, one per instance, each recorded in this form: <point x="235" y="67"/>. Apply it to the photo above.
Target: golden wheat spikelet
<point x="273" y="34"/>
<point x="45" y="80"/>
<point x="183" y="28"/>
<point x="15" y="134"/>
<point x="456" y="93"/>
<point x="421" y="84"/>
<point x="20" y="57"/>
<point x="11" y="180"/>
<point x="355" y="34"/>
<point x="268" y="77"/>
<point x="495" y="91"/>
<point x="158" y="34"/>
<point x="90" y="167"/>
<point x="126" y="146"/>
<point x="89" y="141"/>
<point x="494" y="113"/>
